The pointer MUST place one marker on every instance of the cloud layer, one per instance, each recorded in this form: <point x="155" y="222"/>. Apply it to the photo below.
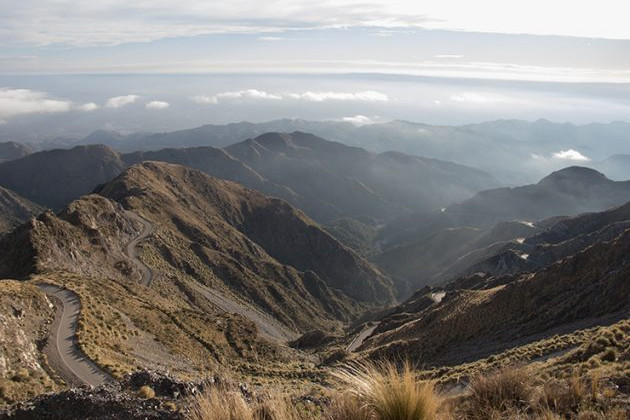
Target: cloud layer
<point x="108" y="22"/>
<point x="257" y="95"/>
<point x="14" y="102"/>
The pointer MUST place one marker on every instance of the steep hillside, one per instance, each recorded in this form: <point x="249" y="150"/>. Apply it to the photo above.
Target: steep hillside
<point x="224" y="274"/>
<point x="15" y="210"/>
<point x="10" y="150"/>
<point x="480" y="315"/>
<point x="54" y="178"/>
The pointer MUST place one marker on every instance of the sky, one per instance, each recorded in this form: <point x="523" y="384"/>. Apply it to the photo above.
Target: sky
<point x="69" y="66"/>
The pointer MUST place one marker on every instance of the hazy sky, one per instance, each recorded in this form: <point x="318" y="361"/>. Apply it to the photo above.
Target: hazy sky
<point x="433" y="61"/>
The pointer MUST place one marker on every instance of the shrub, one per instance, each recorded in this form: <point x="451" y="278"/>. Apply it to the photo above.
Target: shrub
<point x="391" y="393"/>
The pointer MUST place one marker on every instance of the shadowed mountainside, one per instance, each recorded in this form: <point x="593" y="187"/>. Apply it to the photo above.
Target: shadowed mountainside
<point x="15" y="210"/>
<point x="326" y="179"/>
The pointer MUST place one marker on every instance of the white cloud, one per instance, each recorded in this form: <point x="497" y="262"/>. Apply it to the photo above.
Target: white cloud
<point x="271" y="38"/>
<point x="120" y="101"/>
<point x="571" y="154"/>
<point x="87" y="107"/>
<point x="481" y="98"/>
<point x="449" y="56"/>
<point x="358" y="120"/>
<point x="157" y="105"/>
<point x="235" y="96"/>
<point x="254" y="94"/>
<point x="14" y="102"/>
<point x="365" y="96"/>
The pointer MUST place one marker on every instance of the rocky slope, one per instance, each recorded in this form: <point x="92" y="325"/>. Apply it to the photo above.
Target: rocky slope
<point x="15" y="210"/>
<point x="486" y="314"/>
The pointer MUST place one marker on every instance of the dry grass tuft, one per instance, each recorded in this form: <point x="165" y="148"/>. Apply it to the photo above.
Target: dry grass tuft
<point x="223" y="404"/>
<point x="389" y="392"/>
<point x="507" y="390"/>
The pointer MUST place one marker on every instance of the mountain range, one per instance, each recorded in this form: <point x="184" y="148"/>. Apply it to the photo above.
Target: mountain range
<point x="515" y="151"/>
<point x="326" y="179"/>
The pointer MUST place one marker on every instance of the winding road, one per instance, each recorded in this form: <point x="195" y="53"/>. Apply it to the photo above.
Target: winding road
<point x="63" y="350"/>
<point x="132" y="252"/>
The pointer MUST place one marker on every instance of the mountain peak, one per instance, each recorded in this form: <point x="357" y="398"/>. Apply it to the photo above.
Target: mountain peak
<point x="574" y="174"/>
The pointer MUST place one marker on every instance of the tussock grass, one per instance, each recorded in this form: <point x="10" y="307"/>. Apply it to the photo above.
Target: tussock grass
<point x="507" y="390"/>
<point x="224" y="404"/>
<point x="389" y="392"/>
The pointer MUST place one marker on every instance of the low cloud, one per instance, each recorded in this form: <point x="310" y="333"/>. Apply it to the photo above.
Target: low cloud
<point x="481" y="98"/>
<point x="254" y="94"/>
<point x="157" y="105"/>
<point x="366" y="96"/>
<point x="88" y="107"/>
<point x="572" y="155"/>
<point x="358" y="120"/>
<point x="120" y="101"/>
<point x="14" y="102"/>
<point x="236" y="96"/>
